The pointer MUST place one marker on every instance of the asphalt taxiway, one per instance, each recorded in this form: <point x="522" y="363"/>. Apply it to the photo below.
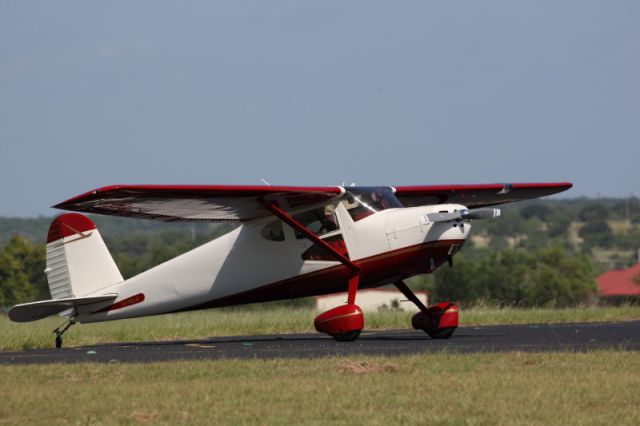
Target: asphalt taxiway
<point x="505" y="338"/>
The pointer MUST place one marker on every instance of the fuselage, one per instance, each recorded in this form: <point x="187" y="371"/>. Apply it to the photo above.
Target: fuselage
<point x="264" y="260"/>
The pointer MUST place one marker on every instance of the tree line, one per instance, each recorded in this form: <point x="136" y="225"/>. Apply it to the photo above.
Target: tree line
<point x="549" y="277"/>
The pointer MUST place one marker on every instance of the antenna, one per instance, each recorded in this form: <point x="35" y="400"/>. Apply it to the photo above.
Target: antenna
<point x="265" y="182"/>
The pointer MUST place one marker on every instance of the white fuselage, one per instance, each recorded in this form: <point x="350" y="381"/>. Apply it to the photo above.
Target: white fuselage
<point x="244" y="261"/>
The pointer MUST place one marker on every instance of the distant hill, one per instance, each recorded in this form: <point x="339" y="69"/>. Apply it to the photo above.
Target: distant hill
<point x="35" y="229"/>
<point x="607" y="229"/>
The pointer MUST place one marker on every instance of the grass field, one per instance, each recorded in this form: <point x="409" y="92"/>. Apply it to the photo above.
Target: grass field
<point x="516" y="388"/>
<point x="223" y="322"/>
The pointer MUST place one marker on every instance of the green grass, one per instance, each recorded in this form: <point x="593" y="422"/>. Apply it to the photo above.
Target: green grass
<point x="491" y="316"/>
<point x="514" y="388"/>
<point x="224" y="322"/>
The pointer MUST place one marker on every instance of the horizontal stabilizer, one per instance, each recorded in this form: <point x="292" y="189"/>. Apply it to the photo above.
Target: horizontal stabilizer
<point x="37" y="310"/>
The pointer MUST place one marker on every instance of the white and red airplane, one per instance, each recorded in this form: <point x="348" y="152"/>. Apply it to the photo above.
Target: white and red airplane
<point x="292" y="242"/>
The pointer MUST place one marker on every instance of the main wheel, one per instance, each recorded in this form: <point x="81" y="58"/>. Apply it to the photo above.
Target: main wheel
<point x="58" y="342"/>
<point x="349" y="336"/>
<point x="442" y="333"/>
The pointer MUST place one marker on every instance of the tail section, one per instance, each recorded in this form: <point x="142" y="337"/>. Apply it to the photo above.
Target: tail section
<point x="79" y="271"/>
<point x="78" y="261"/>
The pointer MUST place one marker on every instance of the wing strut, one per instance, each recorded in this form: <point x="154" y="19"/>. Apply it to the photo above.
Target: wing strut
<point x="283" y="216"/>
<point x="355" y="270"/>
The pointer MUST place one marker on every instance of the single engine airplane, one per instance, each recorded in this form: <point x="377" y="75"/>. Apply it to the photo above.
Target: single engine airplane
<point x="292" y="242"/>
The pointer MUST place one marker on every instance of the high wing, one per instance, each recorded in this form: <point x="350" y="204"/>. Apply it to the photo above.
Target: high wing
<point x="224" y="203"/>
<point x="475" y="196"/>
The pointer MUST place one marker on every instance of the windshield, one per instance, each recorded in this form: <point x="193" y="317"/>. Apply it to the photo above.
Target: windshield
<point x="364" y="201"/>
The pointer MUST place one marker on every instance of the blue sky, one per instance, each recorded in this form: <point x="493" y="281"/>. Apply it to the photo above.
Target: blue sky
<point x="316" y="93"/>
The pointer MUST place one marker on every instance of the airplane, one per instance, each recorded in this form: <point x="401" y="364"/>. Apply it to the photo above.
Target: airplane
<point x="291" y="242"/>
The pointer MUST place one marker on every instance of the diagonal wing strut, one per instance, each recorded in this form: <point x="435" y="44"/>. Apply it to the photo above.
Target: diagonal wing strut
<point x="355" y="270"/>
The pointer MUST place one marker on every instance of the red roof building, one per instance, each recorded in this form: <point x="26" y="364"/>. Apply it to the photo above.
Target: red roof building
<point x="620" y="282"/>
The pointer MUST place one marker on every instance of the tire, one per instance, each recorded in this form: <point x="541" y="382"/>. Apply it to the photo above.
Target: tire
<point x="349" y="336"/>
<point x="442" y="333"/>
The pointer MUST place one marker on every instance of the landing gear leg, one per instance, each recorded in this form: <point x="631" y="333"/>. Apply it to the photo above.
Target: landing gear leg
<point x="344" y="323"/>
<point x="60" y="331"/>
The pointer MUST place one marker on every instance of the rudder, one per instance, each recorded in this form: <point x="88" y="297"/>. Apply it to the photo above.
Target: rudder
<point x="78" y="261"/>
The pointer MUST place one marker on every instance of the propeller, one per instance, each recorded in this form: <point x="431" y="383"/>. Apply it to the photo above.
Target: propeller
<point x="486" y="213"/>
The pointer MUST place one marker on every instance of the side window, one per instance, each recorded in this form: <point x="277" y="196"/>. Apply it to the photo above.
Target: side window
<point x="273" y="231"/>
<point x="320" y="221"/>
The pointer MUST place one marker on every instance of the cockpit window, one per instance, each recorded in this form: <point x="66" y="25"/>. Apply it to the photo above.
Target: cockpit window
<point x="320" y="221"/>
<point x="361" y="202"/>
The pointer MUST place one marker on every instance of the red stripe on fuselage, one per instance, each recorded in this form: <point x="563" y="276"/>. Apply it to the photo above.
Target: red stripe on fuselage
<point x="376" y="271"/>
<point x="123" y="303"/>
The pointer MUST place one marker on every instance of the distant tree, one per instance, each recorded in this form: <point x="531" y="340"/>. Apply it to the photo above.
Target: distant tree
<point x="505" y="275"/>
<point x="510" y="224"/>
<point x="498" y="243"/>
<point x="558" y="225"/>
<point x="422" y="282"/>
<point x="629" y="240"/>
<point x="458" y="283"/>
<point x="539" y="210"/>
<point x="559" y="280"/>
<point x="22" y="277"/>
<point x="596" y="233"/>
<point x="594" y="213"/>
<point x="35" y="230"/>
<point x="517" y="278"/>
<point x="535" y="241"/>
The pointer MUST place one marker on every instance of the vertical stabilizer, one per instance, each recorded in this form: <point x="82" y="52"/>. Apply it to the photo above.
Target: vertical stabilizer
<point x="78" y="261"/>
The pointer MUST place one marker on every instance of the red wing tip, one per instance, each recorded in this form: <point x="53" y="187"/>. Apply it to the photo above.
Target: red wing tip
<point x="545" y="184"/>
<point x="561" y="186"/>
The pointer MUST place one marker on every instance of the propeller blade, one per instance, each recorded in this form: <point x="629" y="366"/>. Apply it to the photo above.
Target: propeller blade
<point x="444" y="217"/>
<point x="483" y="213"/>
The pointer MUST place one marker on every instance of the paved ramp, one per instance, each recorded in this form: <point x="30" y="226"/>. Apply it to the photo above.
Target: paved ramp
<point x="506" y="338"/>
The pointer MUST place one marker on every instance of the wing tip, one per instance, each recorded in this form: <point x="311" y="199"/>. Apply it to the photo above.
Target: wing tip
<point x="69" y="203"/>
<point x="557" y="186"/>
